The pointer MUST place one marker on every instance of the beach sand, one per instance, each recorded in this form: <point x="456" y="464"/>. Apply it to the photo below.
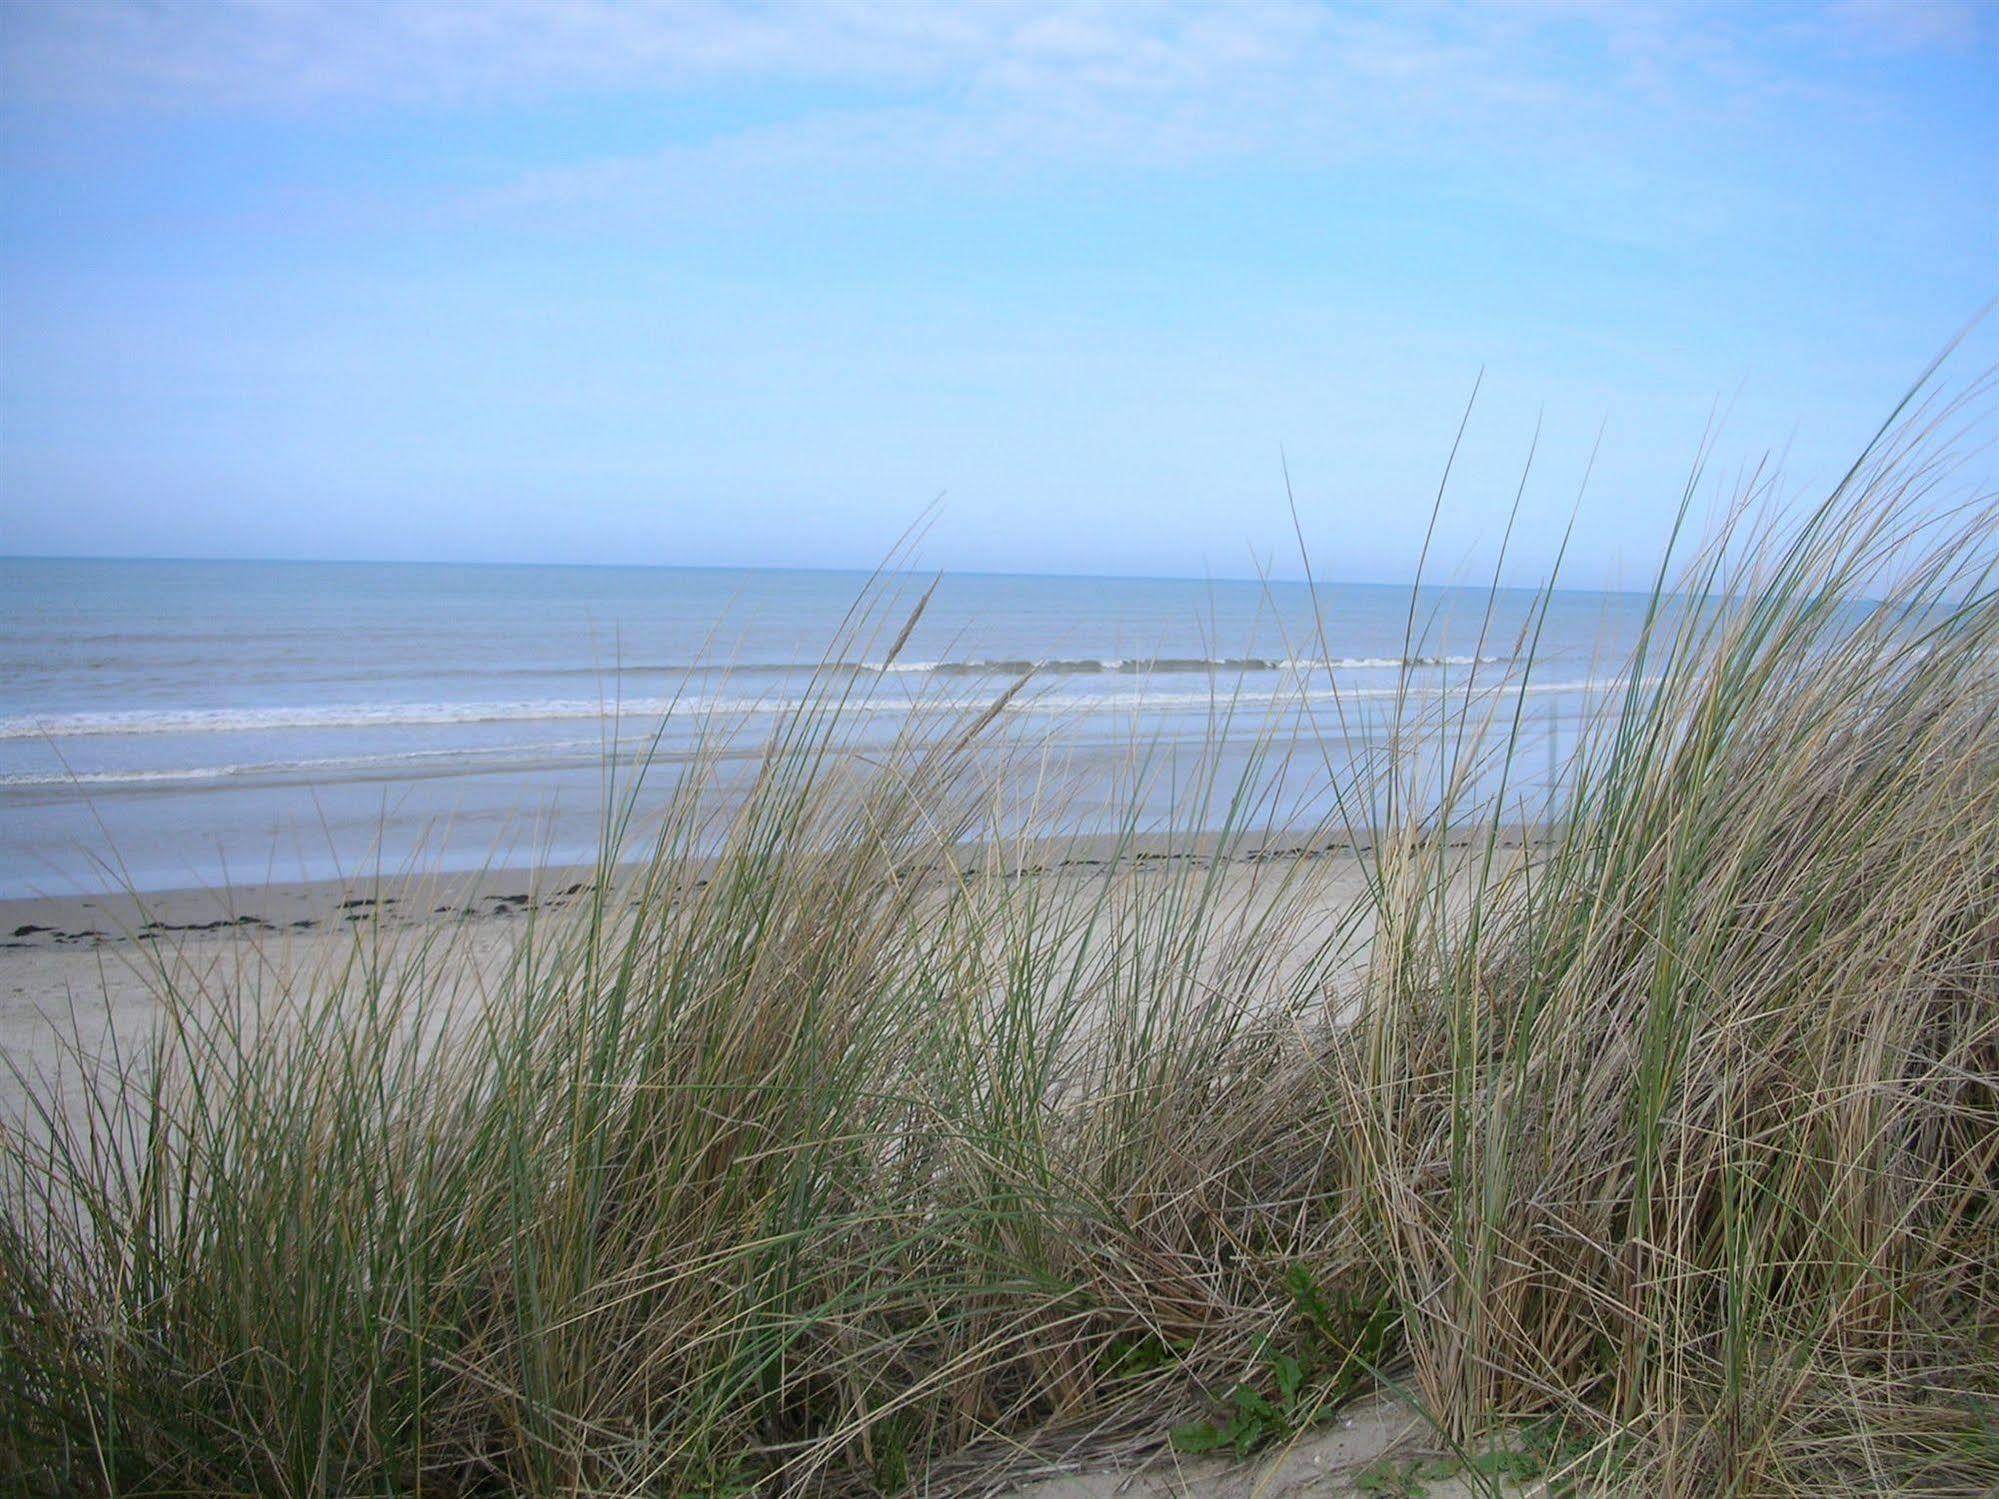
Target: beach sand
<point x="78" y="971"/>
<point x="1365" y="1448"/>
<point x="81" y="968"/>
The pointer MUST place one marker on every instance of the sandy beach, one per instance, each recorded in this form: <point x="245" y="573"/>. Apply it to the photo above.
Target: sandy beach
<point x="77" y="971"/>
<point x="85" y="967"/>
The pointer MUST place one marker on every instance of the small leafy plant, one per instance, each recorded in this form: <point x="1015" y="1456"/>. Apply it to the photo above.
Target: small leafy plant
<point x="1338" y="1345"/>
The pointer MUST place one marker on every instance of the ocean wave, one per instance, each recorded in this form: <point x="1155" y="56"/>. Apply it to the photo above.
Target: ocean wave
<point x="689" y="709"/>
<point x="454" y="757"/>
<point x="321" y="716"/>
<point x="1172" y="665"/>
<point x="1057" y="666"/>
<point x="369" y="715"/>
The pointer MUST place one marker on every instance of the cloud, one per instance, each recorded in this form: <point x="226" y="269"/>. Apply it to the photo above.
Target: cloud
<point x="1908" y="25"/>
<point x="1007" y="85"/>
<point x="300" y="53"/>
<point x="257" y="52"/>
<point x="1013" y="88"/>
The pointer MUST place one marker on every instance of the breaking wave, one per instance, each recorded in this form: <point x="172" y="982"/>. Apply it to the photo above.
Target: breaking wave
<point x="681" y="709"/>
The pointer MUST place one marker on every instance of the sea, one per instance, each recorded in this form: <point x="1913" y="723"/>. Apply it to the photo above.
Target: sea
<point x="179" y="724"/>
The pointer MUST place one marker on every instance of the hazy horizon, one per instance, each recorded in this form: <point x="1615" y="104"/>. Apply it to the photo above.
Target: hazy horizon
<point x="915" y="570"/>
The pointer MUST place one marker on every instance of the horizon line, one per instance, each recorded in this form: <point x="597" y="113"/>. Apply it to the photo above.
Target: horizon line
<point x="887" y="572"/>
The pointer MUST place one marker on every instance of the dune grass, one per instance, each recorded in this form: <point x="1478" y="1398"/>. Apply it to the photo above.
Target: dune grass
<point x="844" y="1143"/>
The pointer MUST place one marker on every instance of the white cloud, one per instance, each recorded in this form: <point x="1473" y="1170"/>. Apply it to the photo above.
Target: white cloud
<point x="290" y="51"/>
<point x="298" y="52"/>
<point x="1006" y="82"/>
<point x="1907" y="25"/>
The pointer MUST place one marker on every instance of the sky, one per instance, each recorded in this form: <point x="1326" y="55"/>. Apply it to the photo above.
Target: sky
<point x="692" y="283"/>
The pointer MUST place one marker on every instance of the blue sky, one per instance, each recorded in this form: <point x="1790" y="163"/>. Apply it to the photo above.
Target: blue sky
<point x="569" y="280"/>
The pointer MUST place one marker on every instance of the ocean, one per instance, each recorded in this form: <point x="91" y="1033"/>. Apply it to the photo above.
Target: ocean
<point x="167" y="724"/>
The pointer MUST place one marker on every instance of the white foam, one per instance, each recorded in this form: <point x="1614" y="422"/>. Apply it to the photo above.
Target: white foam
<point x="471" y="758"/>
<point x="689" y="709"/>
<point x="320" y="716"/>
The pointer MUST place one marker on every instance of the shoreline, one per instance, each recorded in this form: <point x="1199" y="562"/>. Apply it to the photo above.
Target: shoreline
<point x="86" y="922"/>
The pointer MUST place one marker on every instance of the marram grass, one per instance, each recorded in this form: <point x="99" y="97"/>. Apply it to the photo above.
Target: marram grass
<point x="842" y="1146"/>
